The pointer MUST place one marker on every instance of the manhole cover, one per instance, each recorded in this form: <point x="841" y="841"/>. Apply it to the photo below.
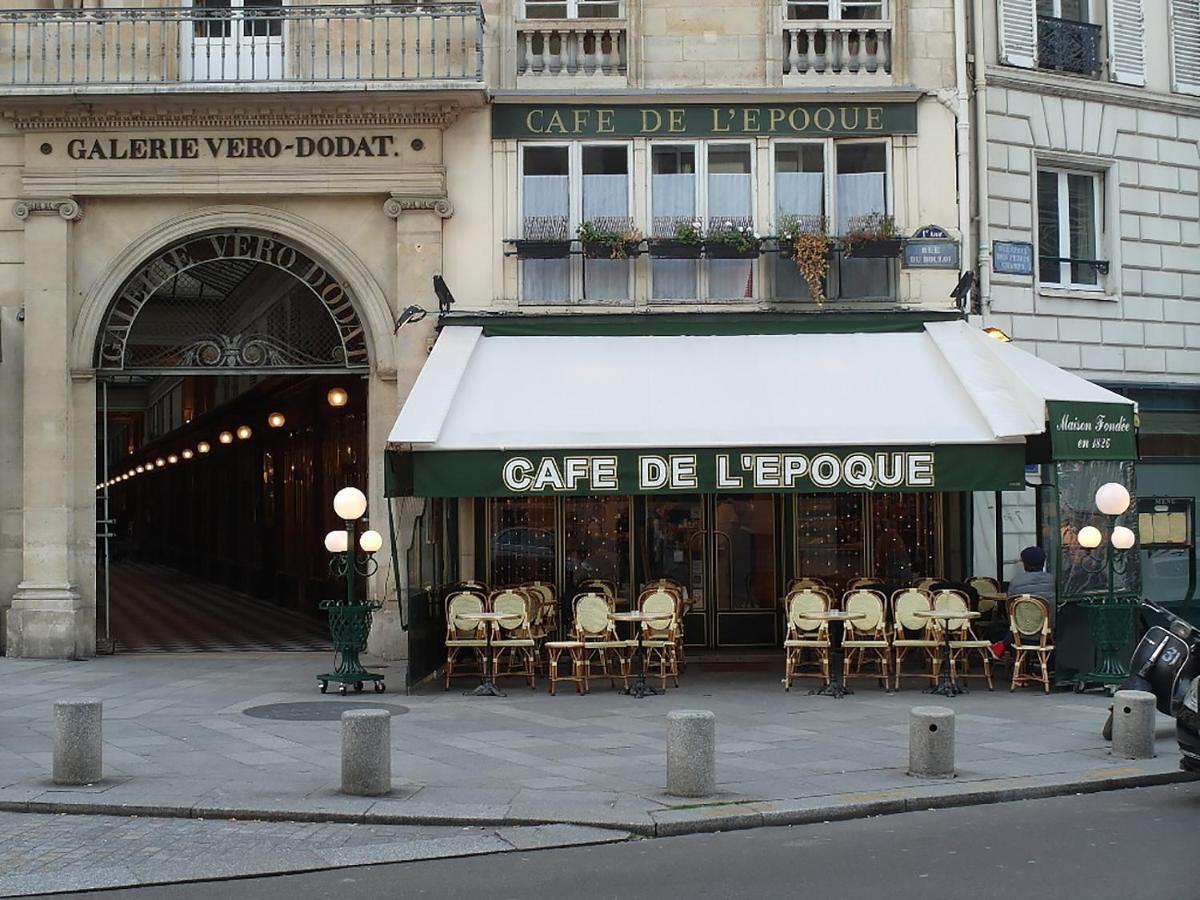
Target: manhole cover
<point x="321" y="711"/>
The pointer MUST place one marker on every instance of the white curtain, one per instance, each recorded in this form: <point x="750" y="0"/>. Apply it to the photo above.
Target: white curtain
<point x="730" y="199"/>
<point x="673" y="197"/>
<point x="545" y="197"/>
<point x="858" y="194"/>
<point x="606" y="197"/>
<point x="799" y="194"/>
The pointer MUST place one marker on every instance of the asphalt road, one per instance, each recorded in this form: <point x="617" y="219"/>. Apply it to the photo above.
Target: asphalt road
<point x="1124" y="845"/>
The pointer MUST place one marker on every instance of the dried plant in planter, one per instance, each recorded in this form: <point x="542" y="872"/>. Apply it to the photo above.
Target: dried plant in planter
<point x="873" y="235"/>
<point x="806" y="241"/>
<point x="609" y="238"/>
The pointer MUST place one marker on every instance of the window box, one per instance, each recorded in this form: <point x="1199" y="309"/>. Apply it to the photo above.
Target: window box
<point x="720" y="250"/>
<point x="530" y="249"/>
<point x="605" y="250"/>
<point x="881" y="248"/>
<point x="669" y="248"/>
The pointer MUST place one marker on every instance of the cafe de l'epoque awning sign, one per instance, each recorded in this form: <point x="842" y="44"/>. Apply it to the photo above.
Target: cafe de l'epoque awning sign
<point x="505" y="411"/>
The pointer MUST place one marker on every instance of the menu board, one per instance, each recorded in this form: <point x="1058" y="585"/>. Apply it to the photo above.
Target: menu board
<point x="1165" y="521"/>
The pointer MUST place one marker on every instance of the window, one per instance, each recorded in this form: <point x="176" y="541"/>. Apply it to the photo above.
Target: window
<point x="214" y="18"/>
<point x="1185" y="46"/>
<point x="826" y="10"/>
<point x="800" y="193"/>
<point x="1066" y="41"/>
<point x="1074" y="10"/>
<point x="562" y="187"/>
<point x="1069" y="228"/>
<point x="572" y="9"/>
<point x="713" y="184"/>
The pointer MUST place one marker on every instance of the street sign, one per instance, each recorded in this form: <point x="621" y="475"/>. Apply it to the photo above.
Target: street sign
<point x="1012" y="258"/>
<point x="932" y="254"/>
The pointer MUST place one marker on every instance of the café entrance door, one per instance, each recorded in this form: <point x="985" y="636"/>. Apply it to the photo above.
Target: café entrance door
<point x="723" y="550"/>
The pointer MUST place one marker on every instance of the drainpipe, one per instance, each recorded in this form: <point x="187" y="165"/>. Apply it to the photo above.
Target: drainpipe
<point x="963" y="126"/>
<point x="983" y="258"/>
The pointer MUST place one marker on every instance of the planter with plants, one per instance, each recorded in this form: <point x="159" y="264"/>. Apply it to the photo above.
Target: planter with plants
<point x="874" y="236"/>
<point x="545" y="237"/>
<point x="730" y="241"/>
<point x="609" y="239"/>
<point x="687" y="242"/>
<point x="805" y="241"/>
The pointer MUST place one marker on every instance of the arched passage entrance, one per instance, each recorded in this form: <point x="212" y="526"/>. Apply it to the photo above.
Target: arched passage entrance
<point x="231" y="370"/>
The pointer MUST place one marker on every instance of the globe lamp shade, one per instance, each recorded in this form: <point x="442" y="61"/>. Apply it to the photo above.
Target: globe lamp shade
<point x="337" y="396"/>
<point x="370" y="541"/>
<point x="336" y="542"/>
<point x="1123" y="538"/>
<point x="349" y="503"/>
<point x="243" y="432"/>
<point x="187" y="454"/>
<point x="1112" y="499"/>
<point x="276" y="420"/>
<point x="172" y="459"/>
<point x="203" y="447"/>
<point x="1090" y="537"/>
<point x="225" y="437"/>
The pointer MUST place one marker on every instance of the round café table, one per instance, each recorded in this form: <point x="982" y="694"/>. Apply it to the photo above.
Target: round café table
<point x="837" y="620"/>
<point x="946" y="685"/>
<point x="640" y="689"/>
<point x="488" y="687"/>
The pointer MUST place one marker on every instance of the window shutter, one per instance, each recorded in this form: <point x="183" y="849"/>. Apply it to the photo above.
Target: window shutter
<point x="1018" y="32"/>
<point x="1185" y="46"/>
<point x="1126" y="42"/>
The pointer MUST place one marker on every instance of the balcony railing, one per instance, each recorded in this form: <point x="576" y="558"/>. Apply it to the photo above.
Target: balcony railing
<point x="1068" y="46"/>
<point x="851" y="50"/>
<point x="301" y="45"/>
<point x="576" y="48"/>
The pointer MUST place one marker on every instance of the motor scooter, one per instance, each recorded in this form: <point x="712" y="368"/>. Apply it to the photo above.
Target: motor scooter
<point x="1165" y="662"/>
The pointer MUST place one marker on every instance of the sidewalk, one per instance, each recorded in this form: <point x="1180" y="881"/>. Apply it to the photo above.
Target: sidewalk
<point x="179" y="742"/>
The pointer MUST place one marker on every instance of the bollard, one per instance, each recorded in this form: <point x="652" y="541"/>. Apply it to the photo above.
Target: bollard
<point x="78" y="735"/>
<point x="691" y="753"/>
<point x="1133" y="725"/>
<point x="931" y="742"/>
<point x="366" y="752"/>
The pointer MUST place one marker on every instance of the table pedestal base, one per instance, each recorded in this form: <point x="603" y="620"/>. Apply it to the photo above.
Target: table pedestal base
<point x="833" y="689"/>
<point x="946" y="688"/>
<point x="487" y="689"/>
<point x="640" y="689"/>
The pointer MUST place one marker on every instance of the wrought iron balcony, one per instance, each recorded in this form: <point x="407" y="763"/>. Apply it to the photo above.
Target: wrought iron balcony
<point x="553" y="49"/>
<point x="848" y="50"/>
<point x="1068" y="46"/>
<point x="211" y="48"/>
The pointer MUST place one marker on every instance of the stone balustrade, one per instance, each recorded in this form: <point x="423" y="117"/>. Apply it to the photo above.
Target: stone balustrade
<point x="575" y="48"/>
<point x="847" y="49"/>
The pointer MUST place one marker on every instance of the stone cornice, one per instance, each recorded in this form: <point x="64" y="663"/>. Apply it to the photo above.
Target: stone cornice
<point x="90" y="117"/>
<point x="1093" y="91"/>
<point x="64" y="207"/>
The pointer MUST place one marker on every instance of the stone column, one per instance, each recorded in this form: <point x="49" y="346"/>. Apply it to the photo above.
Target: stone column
<point x="48" y="618"/>
<point x="419" y="218"/>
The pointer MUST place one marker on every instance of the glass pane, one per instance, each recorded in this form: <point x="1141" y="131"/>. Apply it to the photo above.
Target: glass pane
<point x="829" y="538"/>
<point x="521" y="540"/>
<point x="606" y="204"/>
<point x="540" y="9"/>
<point x="862" y="9"/>
<point x="673" y="200"/>
<point x="1046" y="8"/>
<point x="903" y="530"/>
<point x="1074" y="10"/>
<point x="599" y="9"/>
<point x="809" y="9"/>
<point x="672" y="543"/>
<point x="596" y="542"/>
<point x="1049" y="270"/>
<point x="745" y="546"/>
<point x="861" y="186"/>
<point x="270" y="25"/>
<point x="218" y="26"/>
<point x="545" y="199"/>
<point x="1081" y="209"/>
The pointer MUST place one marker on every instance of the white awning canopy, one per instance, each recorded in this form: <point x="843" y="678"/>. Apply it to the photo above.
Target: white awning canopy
<point x="944" y="385"/>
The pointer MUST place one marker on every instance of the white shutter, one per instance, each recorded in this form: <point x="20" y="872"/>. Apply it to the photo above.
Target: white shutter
<point x="1018" y="32"/>
<point x="1185" y="46"/>
<point x="1126" y="42"/>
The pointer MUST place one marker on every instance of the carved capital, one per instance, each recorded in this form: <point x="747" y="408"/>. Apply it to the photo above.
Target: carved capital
<point x="66" y="208"/>
<point x="397" y="204"/>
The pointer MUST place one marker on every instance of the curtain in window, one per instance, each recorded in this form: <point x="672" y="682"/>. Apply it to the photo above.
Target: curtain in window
<point x="606" y="197"/>
<point x="546" y="210"/>
<point x="1081" y="210"/>
<point x="799" y="194"/>
<point x="729" y="200"/>
<point x="673" y="200"/>
<point x="858" y="194"/>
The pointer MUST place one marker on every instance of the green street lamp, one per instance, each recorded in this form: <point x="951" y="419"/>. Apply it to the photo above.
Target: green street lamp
<point x="349" y="619"/>
<point x="1112" y="619"/>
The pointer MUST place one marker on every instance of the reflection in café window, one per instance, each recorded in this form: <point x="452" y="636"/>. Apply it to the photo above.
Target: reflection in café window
<point x="596" y="542"/>
<point x="521" y="540"/>
<point x="903" y="537"/>
<point x="672" y="543"/>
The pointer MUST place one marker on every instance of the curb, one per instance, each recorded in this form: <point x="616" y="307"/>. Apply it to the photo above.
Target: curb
<point x="666" y="822"/>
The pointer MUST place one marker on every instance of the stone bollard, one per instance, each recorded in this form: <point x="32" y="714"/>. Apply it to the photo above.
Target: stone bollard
<point x="691" y="753"/>
<point x="78" y="735"/>
<point x="931" y="742"/>
<point x="1133" y="725"/>
<point x="366" y="752"/>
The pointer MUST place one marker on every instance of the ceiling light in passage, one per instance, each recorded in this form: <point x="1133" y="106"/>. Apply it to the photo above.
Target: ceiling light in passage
<point x="225" y="437"/>
<point x="276" y="420"/>
<point x="337" y="396"/>
<point x="244" y="432"/>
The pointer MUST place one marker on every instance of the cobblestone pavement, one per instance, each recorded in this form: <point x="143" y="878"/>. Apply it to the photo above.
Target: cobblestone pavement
<point x="43" y="853"/>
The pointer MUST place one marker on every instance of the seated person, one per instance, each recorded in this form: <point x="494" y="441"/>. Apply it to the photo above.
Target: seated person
<point x="1032" y="579"/>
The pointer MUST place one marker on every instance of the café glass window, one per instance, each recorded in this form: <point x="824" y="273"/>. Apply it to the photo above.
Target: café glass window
<point x="799" y="196"/>
<point x="830" y="10"/>
<point x="860" y="192"/>
<point x="596" y="542"/>
<point x="572" y="9"/>
<point x="563" y="187"/>
<point x="1068" y="228"/>
<point x="711" y="184"/>
<point x="904" y="536"/>
<point x="521" y="540"/>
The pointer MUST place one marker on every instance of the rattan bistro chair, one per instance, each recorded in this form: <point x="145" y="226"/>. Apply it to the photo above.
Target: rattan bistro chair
<point x="984" y="585"/>
<point x="675" y="589"/>
<point x="867" y="637"/>
<point x="911" y="632"/>
<point x="598" y="634"/>
<point x="805" y="634"/>
<point x="799" y="584"/>
<point x="513" y="640"/>
<point x="463" y="633"/>
<point x="1029" y="619"/>
<point x="659" y="636"/>
<point x="963" y="641"/>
